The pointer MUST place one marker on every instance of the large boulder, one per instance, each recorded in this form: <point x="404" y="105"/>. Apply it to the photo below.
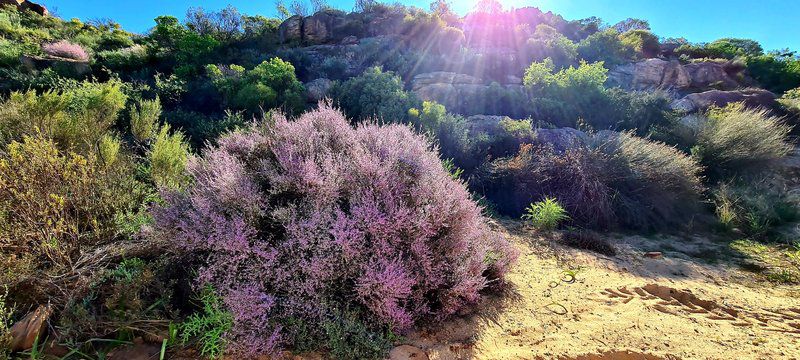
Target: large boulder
<point x="654" y="74"/>
<point x="321" y="27"/>
<point x="61" y="65"/>
<point x="460" y="93"/>
<point x="704" y="100"/>
<point x="442" y="77"/>
<point x="562" y="139"/>
<point x="650" y="74"/>
<point x="26" y="5"/>
<point x="291" y="29"/>
<point x="485" y="124"/>
<point x="709" y="74"/>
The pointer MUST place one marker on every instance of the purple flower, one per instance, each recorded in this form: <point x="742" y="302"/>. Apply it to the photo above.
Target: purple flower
<point x="295" y="219"/>
<point x="65" y="49"/>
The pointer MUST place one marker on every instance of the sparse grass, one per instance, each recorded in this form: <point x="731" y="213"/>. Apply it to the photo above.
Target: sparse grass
<point x="781" y="261"/>
<point x="546" y="214"/>
<point x="737" y="140"/>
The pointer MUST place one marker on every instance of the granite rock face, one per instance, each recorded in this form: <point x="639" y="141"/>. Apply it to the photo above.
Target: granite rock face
<point x="702" y="101"/>
<point x="26" y="5"/>
<point x="653" y="74"/>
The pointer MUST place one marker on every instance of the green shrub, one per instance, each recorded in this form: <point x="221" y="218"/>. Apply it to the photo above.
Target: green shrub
<point x="144" y="119"/>
<point x="547" y="43"/>
<point x="348" y="338"/>
<point x="546" y="214"/>
<point x="606" y="47"/>
<point x="375" y="94"/>
<point x="167" y="158"/>
<point x="730" y="48"/>
<point x="207" y="328"/>
<point x="126" y="59"/>
<point x="269" y="85"/>
<point x="736" y="140"/>
<point x="76" y="118"/>
<point x="776" y="73"/>
<point x="643" y="42"/>
<point x="108" y="149"/>
<point x="565" y="97"/>
<point x="655" y="185"/>
<point x="55" y="207"/>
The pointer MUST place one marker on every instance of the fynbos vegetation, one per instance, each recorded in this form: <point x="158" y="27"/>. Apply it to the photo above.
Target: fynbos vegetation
<point x="331" y="181"/>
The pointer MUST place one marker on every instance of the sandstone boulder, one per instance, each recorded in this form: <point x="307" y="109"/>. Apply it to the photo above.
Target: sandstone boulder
<point x="26" y="5"/>
<point x="442" y="77"/>
<point x="73" y="67"/>
<point x="650" y="74"/>
<point x="653" y="74"/>
<point x="485" y="124"/>
<point x="710" y="74"/>
<point x="291" y="29"/>
<point x="25" y="332"/>
<point x="562" y="139"/>
<point x="460" y="93"/>
<point x="349" y="40"/>
<point x="704" y="100"/>
<point x="321" y="27"/>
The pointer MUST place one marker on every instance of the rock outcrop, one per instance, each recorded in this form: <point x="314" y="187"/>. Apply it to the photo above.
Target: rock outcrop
<point x="25" y="332"/>
<point x="460" y="93"/>
<point x="653" y="74"/>
<point x="562" y="139"/>
<point x="333" y="26"/>
<point x="485" y="124"/>
<point x="320" y="27"/>
<point x="709" y="74"/>
<point x="26" y="5"/>
<point x="704" y="100"/>
<point x="291" y="29"/>
<point x="73" y="67"/>
<point x="650" y="74"/>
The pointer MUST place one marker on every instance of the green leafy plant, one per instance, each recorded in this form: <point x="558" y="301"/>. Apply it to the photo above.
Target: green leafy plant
<point x="209" y="326"/>
<point x="144" y="119"/>
<point x="167" y="157"/>
<point x="349" y="338"/>
<point x="546" y="214"/>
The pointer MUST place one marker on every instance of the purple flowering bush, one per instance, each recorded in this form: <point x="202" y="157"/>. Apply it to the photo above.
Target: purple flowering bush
<point x="65" y="49"/>
<point x="294" y="222"/>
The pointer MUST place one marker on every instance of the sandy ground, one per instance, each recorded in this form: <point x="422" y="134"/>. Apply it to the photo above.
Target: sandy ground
<point x="571" y="304"/>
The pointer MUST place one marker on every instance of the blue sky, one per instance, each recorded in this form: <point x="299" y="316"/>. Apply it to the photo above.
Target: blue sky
<point x="771" y="22"/>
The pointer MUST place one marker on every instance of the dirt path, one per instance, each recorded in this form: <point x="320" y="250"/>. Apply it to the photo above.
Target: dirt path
<point x="571" y="304"/>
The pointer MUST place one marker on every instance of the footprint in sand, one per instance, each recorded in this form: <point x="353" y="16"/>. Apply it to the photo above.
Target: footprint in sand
<point x="683" y="303"/>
